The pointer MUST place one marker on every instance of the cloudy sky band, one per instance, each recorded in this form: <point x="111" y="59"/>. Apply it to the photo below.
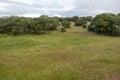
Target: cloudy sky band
<point x="35" y="8"/>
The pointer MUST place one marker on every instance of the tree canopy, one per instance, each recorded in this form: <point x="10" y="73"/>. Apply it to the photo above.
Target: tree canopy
<point x="104" y="23"/>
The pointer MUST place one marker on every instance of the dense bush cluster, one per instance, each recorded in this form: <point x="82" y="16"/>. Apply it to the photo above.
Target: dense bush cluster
<point x="65" y="23"/>
<point x="81" y="22"/>
<point x="106" y="23"/>
<point x="21" y="25"/>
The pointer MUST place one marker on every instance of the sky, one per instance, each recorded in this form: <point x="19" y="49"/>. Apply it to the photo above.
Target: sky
<point x="60" y="8"/>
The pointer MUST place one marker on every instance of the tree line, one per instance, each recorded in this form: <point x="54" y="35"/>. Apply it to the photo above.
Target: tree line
<point x="105" y="23"/>
<point x="22" y="25"/>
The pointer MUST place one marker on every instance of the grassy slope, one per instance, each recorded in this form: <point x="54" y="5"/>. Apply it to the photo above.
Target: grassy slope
<point x="75" y="55"/>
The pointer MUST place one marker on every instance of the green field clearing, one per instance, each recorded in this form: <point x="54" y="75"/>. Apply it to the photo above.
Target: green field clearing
<point x="74" y="55"/>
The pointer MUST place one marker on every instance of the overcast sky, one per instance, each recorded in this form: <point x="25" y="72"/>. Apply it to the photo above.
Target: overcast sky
<point x="35" y="8"/>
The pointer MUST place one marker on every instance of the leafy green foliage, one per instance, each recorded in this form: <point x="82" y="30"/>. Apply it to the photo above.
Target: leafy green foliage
<point x="21" y="25"/>
<point x="91" y="28"/>
<point x="118" y="14"/>
<point x="87" y="18"/>
<point x="117" y="19"/>
<point x="74" y="18"/>
<point x="80" y="22"/>
<point x="104" y="24"/>
<point x="65" y="23"/>
<point x="63" y="29"/>
<point x="53" y="23"/>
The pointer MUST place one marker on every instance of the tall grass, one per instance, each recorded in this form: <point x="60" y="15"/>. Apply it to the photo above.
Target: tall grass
<point x="60" y="56"/>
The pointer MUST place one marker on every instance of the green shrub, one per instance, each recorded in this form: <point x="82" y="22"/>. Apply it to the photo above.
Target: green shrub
<point x="80" y="22"/>
<point x="21" y="25"/>
<point x="118" y="30"/>
<point x="63" y="29"/>
<point x="65" y="23"/>
<point x="104" y="24"/>
<point x="84" y="26"/>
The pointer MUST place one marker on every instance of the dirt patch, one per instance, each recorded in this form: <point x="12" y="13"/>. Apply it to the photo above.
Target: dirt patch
<point x="114" y="76"/>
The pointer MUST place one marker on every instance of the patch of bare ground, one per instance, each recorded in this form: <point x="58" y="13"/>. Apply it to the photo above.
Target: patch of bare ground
<point x="114" y="76"/>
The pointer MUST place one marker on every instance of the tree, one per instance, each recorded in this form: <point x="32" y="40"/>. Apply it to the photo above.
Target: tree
<point x="104" y="24"/>
<point x="21" y="25"/>
<point x="118" y="14"/>
<point x="53" y="23"/>
<point x="117" y="22"/>
<point x="88" y="18"/>
<point x="75" y="18"/>
<point x="63" y="29"/>
<point x="65" y="23"/>
<point x="12" y="24"/>
<point x="118" y="19"/>
<point x="81" y="22"/>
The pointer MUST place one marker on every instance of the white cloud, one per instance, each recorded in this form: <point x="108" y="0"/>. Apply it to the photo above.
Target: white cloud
<point x="54" y="5"/>
<point x="100" y="11"/>
<point x="23" y="1"/>
<point x="3" y="6"/>
<point x="54" y="9"/>
<point x="30" y="15"/>
<point x="57" y="15"/>
<point x="58" y="7"/>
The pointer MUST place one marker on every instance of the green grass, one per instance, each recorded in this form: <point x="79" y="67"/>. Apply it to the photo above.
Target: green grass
<point x="75" y="55"/>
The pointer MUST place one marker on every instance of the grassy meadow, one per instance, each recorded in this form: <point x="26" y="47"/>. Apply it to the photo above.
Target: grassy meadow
<point x="74" y="55"/>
